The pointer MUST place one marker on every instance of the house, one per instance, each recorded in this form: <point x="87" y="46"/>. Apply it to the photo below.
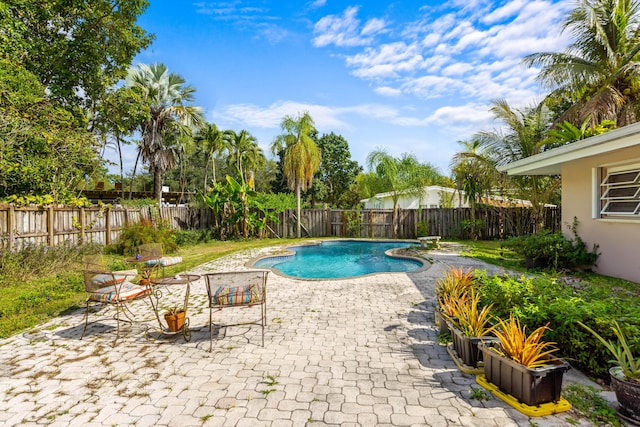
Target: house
<point x="601" y="188"/>
<point x="434" y="196"/>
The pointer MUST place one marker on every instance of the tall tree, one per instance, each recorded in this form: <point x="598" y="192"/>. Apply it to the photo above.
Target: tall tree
<point x="475" y="174"/>
<point x="43" y="149"/>
<point x="402" y="175"/>
<point x="301" y="155"/>
<point x="76" y="48"/>
<point x="337" y="172"/>
<point x="212" y="141"/>
<point x="167" y="96"/>
<point x="118" y="115"/>
<point x="523" y="136"/>
<point x="599" y="73"/>
<point x="245" y="154"/>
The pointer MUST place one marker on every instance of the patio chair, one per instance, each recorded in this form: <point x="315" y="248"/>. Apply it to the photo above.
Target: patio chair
<point x="111" y="288"/>
<point x="237" y="289"/>
<point x="153" y="255"/>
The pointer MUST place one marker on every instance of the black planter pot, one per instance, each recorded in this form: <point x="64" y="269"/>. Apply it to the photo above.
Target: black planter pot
<point x="441" y="321"/>
<point x="627" y="394"/>
<point x="530" y="386"/>
<point x="467" y="347"/>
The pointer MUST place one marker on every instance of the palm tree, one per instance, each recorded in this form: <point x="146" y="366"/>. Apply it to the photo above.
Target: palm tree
<point x="244" y="153"/>
<point x="524" y="136"/>
<point x="213" y="141"/>
<point x="599" y="73"/>
<point x="403" y="175"/>
<point x="475" y="174"/>
<point x="166" y="95"/>
<point x="301" y="155"/>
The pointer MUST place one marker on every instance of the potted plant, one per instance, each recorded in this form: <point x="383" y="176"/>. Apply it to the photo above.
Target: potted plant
<point x="625" y="376"/>
<point x="451" y="291"/>
<point x="175" y="316"/>
<point x="521" y="365"/>
<point x="472" y="326"/>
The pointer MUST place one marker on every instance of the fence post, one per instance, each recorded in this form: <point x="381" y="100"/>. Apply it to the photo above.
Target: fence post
<point x="108" y="225"/>
<point x="50" y="225"/>
<point x="10" y="226"/>
<point x="82" y="225"/>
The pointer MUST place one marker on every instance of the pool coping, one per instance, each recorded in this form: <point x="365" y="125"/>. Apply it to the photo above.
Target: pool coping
<point x="287" y="253"/>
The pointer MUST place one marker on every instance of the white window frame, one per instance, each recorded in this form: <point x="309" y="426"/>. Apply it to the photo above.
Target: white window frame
<point x="617" y="199"/>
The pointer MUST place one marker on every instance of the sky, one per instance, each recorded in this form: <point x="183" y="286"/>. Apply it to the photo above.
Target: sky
<point x="405" y="76"/>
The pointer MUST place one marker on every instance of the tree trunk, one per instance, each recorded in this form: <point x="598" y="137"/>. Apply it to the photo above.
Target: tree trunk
<point x="298" y="224"/>
<point x="157" y="185"/>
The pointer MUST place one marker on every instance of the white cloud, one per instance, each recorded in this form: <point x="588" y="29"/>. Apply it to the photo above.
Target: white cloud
<point x="388" y="91"/>
<point x="343" y="30"/>
<point x="318" y="3"/>
<point x="508" y="10"/>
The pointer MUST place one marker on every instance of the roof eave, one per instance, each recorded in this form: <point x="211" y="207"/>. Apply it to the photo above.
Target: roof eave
<point x="550" y="162"/>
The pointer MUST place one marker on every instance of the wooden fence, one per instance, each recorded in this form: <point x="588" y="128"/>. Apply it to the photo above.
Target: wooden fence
<point x="49" y="226"/>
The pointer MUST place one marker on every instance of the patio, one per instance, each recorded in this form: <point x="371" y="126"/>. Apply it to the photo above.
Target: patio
<point x="343" y="352"/>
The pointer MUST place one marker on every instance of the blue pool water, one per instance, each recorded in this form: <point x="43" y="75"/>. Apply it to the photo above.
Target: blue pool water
<point x="340" y="259"/>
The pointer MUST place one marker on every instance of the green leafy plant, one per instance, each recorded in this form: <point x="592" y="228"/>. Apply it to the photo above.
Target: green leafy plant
<point x="145" y="231"/>
<point x="553" y="250"/>
<point x="422" y="228"/>
<point x="620" y="350"/>
<point x="527" y="350"/>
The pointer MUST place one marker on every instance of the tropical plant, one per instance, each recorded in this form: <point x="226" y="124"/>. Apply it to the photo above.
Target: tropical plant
<point x="527" y="350"/>
<point x="301" y="156"/>
<point x="453" y="289"/>
<point x="475" y="175"/>
<point x="244" y="153"/>
<point x="212" y="141"/>
<point x="522" y="137"/>
<point x="399" y="176"/>
<point x="621" y="351"/>
<point x="472" y="319"/>
<point x="167" y="96"/>
<point x="598" y="74"/>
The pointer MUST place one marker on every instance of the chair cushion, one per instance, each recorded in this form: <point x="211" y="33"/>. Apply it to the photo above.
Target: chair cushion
<point x="237" y="295"/>
<point x="127" y="290"/>
<point x="106" y="279"/>
<point x="165" y="261"/>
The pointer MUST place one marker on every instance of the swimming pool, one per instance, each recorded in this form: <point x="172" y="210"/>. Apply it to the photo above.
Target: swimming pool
<point x="340" y="259"/>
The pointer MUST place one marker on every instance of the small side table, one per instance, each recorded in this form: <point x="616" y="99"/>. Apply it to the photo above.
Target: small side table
<point x="184" y="279"/>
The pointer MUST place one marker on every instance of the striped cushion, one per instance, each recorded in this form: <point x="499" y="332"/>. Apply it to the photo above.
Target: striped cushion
<point x="127" y="290"/>
<point x="105" y="279"/>
<point x="165" y="261"/>
<point x="237" y="295"/>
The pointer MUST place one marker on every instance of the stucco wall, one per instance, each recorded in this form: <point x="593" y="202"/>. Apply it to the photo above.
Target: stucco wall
<point x="618" y="240"/>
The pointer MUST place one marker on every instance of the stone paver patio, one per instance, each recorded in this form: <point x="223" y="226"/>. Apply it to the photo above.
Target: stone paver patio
<point x="356" y="352"/>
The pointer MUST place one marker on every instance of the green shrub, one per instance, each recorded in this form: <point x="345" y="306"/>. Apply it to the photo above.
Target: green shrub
<point x="193" y="237"/>
<point x="422" y="228"/>
<point x="552" y="250"/>
<point x="564" y="303"/>
<point x="142" y="232"/>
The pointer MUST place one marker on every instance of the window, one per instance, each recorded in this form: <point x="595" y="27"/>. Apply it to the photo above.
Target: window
<point x="620" y="192"/>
